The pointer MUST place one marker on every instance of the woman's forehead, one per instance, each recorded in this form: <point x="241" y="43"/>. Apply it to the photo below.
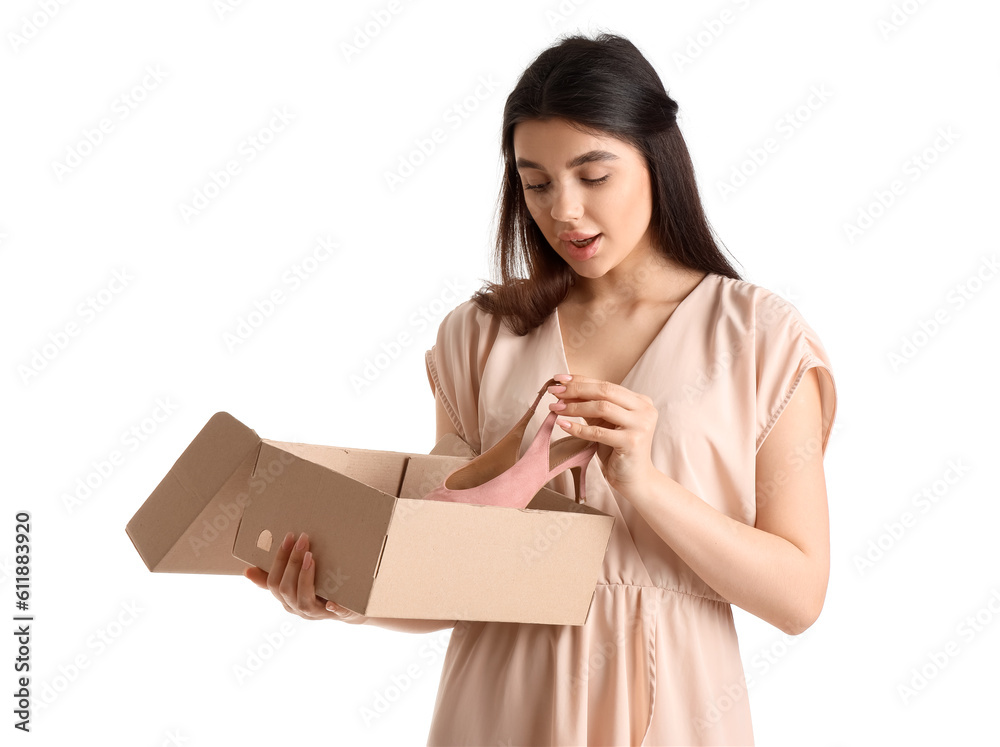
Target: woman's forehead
<point x="536" y="139"/>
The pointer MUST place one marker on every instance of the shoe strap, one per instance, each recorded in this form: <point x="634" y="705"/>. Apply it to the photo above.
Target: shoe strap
<point x="541" y="448"/>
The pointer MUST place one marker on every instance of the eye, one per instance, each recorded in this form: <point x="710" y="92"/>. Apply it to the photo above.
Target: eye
<point x="591" y="182"/>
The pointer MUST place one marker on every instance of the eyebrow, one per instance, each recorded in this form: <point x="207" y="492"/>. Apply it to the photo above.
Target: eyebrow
<point x="589" y="157"/>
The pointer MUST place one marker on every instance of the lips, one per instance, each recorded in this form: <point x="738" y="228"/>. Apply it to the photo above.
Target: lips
<point x="584" y="251"/>
<point x="575" y="235"/>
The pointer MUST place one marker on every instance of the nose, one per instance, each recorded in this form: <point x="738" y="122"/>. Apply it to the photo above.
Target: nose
<point x="566" y="205"/>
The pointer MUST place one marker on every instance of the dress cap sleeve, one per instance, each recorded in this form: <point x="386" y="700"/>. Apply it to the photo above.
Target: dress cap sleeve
<point x="786" y="347"/>
<point x="455" y="366"/>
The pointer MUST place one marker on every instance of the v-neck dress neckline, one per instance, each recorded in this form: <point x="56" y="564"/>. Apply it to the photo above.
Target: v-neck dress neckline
<point x="661" y="333"/>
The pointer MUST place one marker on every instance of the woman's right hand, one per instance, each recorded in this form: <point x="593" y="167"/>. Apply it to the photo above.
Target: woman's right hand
<point x="292" y="580"/>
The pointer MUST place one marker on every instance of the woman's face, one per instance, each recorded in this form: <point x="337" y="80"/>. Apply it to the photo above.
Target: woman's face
<point x="579" y="186"/>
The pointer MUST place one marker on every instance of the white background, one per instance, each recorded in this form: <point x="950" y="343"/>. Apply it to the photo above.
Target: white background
<point x="897" y="74"/>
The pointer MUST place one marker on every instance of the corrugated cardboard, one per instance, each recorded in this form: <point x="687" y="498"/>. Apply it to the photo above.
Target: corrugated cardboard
<point x="380" y="549"/>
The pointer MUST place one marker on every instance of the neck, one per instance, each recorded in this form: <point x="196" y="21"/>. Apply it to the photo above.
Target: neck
<point x="641" y="279"/>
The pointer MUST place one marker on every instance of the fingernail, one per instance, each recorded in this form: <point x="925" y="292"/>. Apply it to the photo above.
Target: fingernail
<point x="307" y="561"/>
<point x="562" y="377"/>
<point x="287" y="542"/>
<point x="301" y="544"/>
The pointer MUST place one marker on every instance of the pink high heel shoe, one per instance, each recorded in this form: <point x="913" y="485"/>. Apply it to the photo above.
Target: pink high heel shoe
<point x="498" y="478"/>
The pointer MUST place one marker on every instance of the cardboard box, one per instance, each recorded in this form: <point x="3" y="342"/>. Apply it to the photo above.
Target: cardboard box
<point x="380" y="549"/>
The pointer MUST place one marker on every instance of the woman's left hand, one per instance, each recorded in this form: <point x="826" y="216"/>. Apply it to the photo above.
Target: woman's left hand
<point x="621" y="420"/>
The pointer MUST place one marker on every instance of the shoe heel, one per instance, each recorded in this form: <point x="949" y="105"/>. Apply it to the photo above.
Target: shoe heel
<point x="578" y="480"/>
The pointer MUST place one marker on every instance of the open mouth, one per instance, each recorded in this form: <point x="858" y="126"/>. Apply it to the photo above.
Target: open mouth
<point x="583" y="249"/>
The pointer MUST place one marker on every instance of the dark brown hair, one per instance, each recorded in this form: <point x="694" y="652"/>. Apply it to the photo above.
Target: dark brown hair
<point x="604" y="85"/>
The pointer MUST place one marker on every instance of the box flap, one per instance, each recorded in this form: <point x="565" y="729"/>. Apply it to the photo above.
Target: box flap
<point x="425" y="472"/>
<point x="451" y="444"/>
<point x="163" y="526"/>
<point x="550" y="500"/>
<point x="380" y="469"/>
<point x="346" y="520"/>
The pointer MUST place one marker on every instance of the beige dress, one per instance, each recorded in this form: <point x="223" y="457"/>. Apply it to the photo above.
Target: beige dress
<point x="657" y="662"/>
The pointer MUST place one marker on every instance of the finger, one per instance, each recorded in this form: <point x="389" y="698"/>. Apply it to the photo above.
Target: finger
<point x="344" y="614"/>
<point x="278" y="564"/>
<point x="288" y="588"/>
<point x="614" y="414"/>
<point x="610" y="436"/>
<point x="278" y="569"/>
<point x="595" y="411"/>
<point x="622" y="429"/>
<point x="257" y="575"/>
<point x="315" y="607"/>
<point x="306" y="599"/>
<point x="587" y="388"/>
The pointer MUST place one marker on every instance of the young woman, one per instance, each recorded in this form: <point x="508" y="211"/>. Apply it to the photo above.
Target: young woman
<point x="711" y="398"/>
